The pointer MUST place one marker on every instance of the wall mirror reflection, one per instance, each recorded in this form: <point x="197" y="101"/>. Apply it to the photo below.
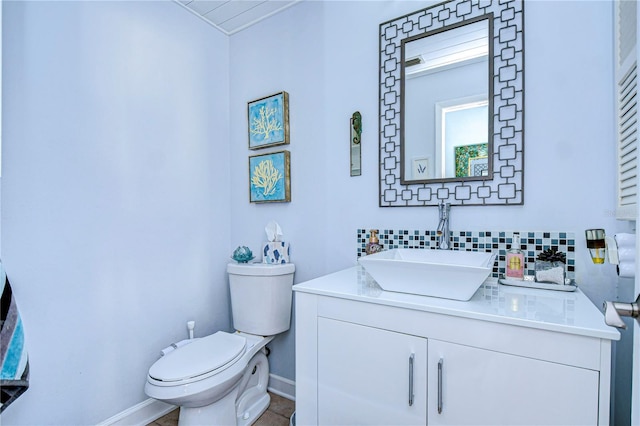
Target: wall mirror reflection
<point x="445" y="99"/>
<point x="452" y="105"/>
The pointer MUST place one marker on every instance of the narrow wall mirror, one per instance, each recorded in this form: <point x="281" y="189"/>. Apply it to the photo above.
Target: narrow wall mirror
<point x="452" y="104"/>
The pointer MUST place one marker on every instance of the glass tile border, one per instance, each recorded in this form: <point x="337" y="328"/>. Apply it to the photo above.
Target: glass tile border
<point x="532" y="244"/>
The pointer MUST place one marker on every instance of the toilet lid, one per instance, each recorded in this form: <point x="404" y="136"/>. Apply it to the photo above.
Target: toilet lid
<point x="200" y="357"/>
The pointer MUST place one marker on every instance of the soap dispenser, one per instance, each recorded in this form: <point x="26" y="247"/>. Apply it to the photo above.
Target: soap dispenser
<point x="373" y="246"/>
<point x="515" y="260"/>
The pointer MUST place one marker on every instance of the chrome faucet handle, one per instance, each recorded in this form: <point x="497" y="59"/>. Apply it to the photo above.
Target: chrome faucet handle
<point x="614" y="311"/>
<point x="443" y="209"/>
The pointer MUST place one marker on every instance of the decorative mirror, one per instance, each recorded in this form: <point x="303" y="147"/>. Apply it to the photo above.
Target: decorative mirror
<point x="451" y="105"/>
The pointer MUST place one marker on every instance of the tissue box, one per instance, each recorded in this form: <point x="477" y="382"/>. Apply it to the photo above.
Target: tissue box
<point x="275" y="252"/>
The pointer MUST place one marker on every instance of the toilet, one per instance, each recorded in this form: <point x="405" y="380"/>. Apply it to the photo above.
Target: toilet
<point x="222" y="379"/>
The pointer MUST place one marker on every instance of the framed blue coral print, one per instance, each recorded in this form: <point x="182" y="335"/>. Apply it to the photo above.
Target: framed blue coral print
<point x="269" y="178"/>
<point x="269" y="121"/>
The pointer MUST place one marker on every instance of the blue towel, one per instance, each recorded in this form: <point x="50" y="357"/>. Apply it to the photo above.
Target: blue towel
<point x="14" y="362"/>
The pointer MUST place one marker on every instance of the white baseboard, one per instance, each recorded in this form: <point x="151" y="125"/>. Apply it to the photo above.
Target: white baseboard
<point x="141" y="414"/>
<point x="280" y="386"/>
<point x="151" y="409"/>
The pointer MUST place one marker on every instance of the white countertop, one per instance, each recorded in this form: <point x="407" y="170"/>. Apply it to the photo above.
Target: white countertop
<point x="565" y="312"/>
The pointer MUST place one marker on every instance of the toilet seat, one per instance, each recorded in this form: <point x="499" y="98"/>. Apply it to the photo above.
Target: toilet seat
<point x="198" y="360"/>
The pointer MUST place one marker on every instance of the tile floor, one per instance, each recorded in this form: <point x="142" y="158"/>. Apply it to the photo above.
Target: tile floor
<point x="278" y="414"/>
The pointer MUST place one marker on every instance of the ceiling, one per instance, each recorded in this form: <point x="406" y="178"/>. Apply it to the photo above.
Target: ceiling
<point x="231" y="16"/>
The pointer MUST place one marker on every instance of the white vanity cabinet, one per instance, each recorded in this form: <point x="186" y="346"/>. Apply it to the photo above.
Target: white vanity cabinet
<point x="508" y="356"/>
<point x="478" y="386"/>
<point x="354" y="389"/>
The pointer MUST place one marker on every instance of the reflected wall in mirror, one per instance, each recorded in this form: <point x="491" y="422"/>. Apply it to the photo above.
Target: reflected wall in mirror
<point x="452" y="105"/>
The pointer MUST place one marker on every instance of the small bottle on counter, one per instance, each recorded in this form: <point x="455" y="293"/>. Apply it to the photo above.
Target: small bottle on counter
<point x="373" y="246"/>
<point x="515" y="260"/>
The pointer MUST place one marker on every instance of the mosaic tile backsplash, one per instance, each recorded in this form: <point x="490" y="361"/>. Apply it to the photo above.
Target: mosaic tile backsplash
<point x="532" y="244"/>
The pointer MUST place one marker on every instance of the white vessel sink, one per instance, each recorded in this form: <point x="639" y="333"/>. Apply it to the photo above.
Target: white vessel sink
<point x="447" y="274"/>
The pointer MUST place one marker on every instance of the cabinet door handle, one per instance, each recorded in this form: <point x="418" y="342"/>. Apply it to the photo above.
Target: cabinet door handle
<point x="411" y="358"/>
<point x="440" y="363"/>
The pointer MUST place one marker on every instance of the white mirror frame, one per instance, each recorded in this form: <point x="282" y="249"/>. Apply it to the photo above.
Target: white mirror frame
<point x="505" y="184"/>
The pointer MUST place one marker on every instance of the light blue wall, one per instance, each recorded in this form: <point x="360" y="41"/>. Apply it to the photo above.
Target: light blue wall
<point x="285" y="54"/>
<point x="115" y="195"/>
<point x="325" y="54"/>
<point x="125" y="184"/>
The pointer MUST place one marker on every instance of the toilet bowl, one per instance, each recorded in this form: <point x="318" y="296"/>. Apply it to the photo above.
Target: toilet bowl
<point x="222" y="378"/>
<point x="206" y="377"/>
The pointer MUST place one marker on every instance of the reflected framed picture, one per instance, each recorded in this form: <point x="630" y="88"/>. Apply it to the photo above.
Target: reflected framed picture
<point x="269" y="121"/>
<point x="269" y="178"/>
<point x="478" y="166"/>
<point x="420" y="168"/>
<point x="471" y="160"/>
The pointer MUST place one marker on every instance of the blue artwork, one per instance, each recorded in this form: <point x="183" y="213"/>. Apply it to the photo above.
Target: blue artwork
<point x="269" y="178"/>
<point x="269" y="121"/>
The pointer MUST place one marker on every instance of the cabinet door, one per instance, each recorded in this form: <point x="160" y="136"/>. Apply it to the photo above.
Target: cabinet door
<point x="364" y="376"/>
<point x="481" y="387"/>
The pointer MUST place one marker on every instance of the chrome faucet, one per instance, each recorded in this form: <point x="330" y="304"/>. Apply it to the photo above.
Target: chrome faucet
<point x="443" y="226"/>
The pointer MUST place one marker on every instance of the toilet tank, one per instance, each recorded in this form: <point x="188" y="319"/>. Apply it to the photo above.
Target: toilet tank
<point x="261" y="297"/>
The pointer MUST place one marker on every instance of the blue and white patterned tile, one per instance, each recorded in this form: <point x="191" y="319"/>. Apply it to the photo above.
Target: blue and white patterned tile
<point x="532" y="244"/>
